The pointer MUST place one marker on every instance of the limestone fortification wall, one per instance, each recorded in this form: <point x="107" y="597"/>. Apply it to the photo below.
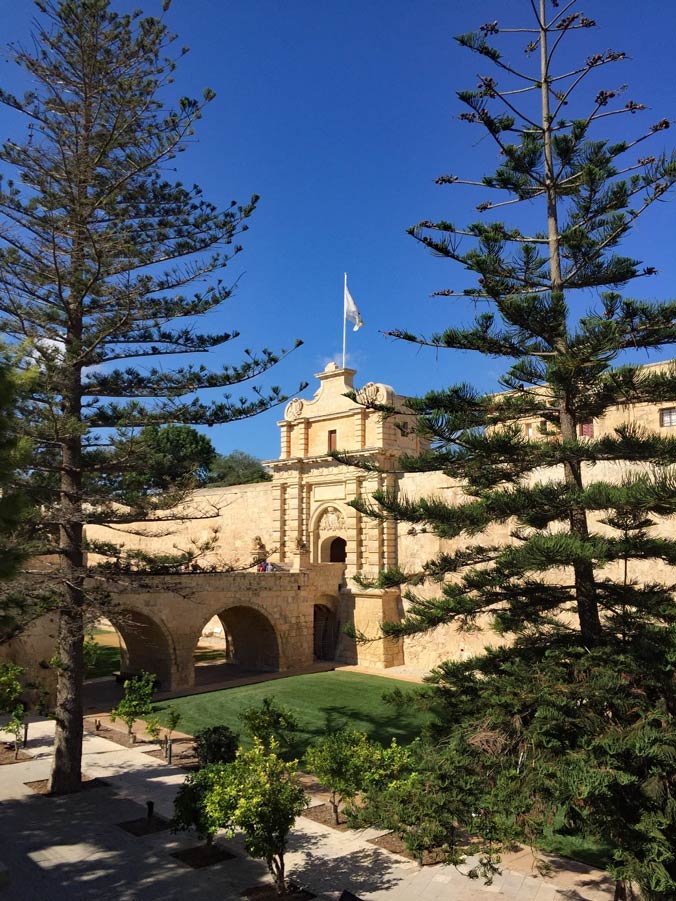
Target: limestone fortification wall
<point x="302" y="521"/>
<point x="234" y="516"/>
<point x="33" y="650"/>
<point x="416" y="546"/>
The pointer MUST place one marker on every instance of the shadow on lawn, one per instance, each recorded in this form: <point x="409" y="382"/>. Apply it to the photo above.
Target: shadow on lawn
<point x="387" y="724"/>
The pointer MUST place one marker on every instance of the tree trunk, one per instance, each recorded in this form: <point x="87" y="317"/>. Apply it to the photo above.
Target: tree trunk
<point x="620" y="891"/>
<point x="66" y="772"/>
<point x="334" y="802"/>
<point x="67" y="767"/>
<point x="276" y="867"/>
<point x="585" y="584"/>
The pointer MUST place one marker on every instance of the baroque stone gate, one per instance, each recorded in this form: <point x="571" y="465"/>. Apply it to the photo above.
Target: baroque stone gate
<point x="301" y="522"/>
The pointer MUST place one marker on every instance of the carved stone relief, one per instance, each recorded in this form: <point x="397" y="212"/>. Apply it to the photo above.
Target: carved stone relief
<point x="332" y="521"/>
<point x="294" y="408"/>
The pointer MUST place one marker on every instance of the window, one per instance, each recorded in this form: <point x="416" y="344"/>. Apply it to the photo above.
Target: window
<point x="668" y="417"/>
<point x="535" y="429"/>
<point x="333" y="440"/>
<point x="586" y="429"/>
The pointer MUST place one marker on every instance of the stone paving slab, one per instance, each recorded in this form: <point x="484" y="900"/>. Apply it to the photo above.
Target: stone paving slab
<point x="71" y="848"/>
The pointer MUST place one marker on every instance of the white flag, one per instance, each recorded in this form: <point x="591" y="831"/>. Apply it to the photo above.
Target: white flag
<point x="351" y="311"/>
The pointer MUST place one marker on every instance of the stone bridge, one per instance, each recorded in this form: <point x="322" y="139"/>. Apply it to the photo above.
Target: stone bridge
<point x="271" y="622"/>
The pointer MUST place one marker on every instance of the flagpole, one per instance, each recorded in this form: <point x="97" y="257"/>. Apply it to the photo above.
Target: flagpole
<point x="344" y="317"/>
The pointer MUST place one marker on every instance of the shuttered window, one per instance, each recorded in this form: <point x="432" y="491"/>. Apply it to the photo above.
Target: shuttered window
<point x="586" y="429"/>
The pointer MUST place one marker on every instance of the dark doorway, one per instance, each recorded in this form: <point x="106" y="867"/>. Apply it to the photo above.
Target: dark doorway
<point x="325" y="633"/>
<point x="338" y="551"/>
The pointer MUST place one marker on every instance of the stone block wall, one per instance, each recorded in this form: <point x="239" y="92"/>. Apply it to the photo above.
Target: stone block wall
<point x="233" y="516"/>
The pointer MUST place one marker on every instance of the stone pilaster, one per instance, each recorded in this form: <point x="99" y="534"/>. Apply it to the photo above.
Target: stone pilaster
<point x="293" y="513"/>
<point x="279" y="513"/>
<point x="307" y="512"/>
<point x="285" y="434"/>
<point x="389" y="527"/>
<point x="351" y="528"/>
<point x="372" y="538"/>
<point x="360" y="429"/>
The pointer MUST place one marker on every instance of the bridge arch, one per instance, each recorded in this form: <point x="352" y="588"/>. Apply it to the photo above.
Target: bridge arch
<point x="247" y="636"/>
<point x="147" y="644"/>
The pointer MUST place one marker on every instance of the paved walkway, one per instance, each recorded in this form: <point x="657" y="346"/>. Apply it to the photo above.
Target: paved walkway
<point x="67" y="848"/>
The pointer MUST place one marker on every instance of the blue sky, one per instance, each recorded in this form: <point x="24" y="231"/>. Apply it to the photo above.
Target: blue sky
<point x="341" y="114"/>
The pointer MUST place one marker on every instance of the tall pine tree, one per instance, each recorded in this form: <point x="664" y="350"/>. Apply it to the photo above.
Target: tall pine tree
<point x="105" y="265"/>
<point x="570" y="722"/>
<point x="12" y="455"/>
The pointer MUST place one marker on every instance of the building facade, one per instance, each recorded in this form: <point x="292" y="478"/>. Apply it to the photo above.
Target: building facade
<point x="308" y="607"/>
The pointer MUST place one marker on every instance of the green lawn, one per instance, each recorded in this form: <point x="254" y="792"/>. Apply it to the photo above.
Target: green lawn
<point x="320" y="701"/>
<point x="107" y="658"/>
<point x="577" y="847"/>
<point x="325" y="701"/>
<point x="106" y="662"/>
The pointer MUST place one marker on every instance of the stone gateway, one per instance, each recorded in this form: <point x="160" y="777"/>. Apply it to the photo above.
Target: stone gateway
<point x="276" y="587"/>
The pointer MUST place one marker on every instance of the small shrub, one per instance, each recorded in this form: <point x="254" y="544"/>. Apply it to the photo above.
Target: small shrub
<point x="137" y="702"/>
<point x="153" y="727"/>
<point x="174" y="717"/>
<point x="216" y="744"/>
<point x="15" y="726"/>
<point x="341" y="761"/>
<point x="10" y="686"/>
<point x="191" y="810"/>
<point x="259" y="796"/>
<point x="90" y="652"/>
<point x="270" y="722"/>
<point x="349" y="763"/>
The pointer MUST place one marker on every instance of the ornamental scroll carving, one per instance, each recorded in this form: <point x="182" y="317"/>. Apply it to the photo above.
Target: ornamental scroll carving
<point x="369" y="394"/>
<point x="293" y="409"/>
<point x="332" y="521"/>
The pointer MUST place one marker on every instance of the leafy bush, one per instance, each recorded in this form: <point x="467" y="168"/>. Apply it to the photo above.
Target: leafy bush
<point x="191" y="810"/>
<point x="10" y="686"/>
<point x="174" y="717"/>
<point x="258" y="795"/>
<point x="348" y="763"/>
<point x="270" y="722"/>
<point x="137" y="701"/>
<point x="216" y="744"/>
<point x="153" y="727"/>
